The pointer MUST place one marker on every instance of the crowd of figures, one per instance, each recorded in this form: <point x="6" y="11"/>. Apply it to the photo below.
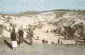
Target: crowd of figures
<point x="20" y="35"/>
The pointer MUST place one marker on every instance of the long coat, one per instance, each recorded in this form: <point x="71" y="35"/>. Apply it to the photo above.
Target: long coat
<point x="21" y="38"/>
<point x="13" y="36"/>
<point x="21" y="33"/>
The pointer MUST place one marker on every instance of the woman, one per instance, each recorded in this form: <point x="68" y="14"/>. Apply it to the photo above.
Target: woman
<point x="13" y="39"/>
<point x="21" y="33"/>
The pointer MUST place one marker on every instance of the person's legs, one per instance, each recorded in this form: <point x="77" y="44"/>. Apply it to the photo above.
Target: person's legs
<point x="21" y="40"/>
<point x="12" y="45"/>
<point x="84" y="40"/>
<point x="30" y="39"/>
<point x="13" y="48"/>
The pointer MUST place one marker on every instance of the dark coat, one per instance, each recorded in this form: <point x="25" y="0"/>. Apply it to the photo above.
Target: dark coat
<point x="21" y="39"/>
<point x="21" y="33"/>
<point x="84" y="40"/>
<point x="13" y="36"/>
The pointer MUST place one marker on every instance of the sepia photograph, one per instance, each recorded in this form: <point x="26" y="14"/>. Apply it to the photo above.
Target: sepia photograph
<point x="42" y="27"/>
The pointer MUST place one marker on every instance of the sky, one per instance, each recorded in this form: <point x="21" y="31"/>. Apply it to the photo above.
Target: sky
<point x="16" y="6"/>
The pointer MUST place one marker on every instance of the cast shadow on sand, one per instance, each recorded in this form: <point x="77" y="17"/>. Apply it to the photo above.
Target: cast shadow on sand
<point x="8" y="44"/>
<point x="26" y="42"/>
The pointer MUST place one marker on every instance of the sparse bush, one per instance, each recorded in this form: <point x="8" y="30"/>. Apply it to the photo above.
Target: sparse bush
<point x="1" y="28"/>
<point x="52" y="42"/>
<point x="44" y="41"/>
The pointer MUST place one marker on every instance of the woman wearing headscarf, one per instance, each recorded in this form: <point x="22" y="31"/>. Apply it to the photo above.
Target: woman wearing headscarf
<point x="21" y="34"/>
<point x="13" y="39"/>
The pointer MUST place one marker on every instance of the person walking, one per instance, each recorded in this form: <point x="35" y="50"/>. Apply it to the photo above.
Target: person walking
<point x="21" y="33"/>
<point x="13" y="39"/>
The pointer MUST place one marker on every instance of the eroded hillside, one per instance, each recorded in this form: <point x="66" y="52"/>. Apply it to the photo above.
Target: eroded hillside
<point x="47" y="25"/>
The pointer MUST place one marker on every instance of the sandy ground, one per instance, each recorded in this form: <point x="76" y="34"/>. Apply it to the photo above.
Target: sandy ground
<point x="42" y="49"/>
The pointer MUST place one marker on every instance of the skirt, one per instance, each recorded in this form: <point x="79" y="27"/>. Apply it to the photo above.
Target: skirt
<point x="21" y="39"/>
<point x="14" y="43"/>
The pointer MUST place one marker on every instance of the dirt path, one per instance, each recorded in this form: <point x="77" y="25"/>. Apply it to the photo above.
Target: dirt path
<point x="43" y="49"/>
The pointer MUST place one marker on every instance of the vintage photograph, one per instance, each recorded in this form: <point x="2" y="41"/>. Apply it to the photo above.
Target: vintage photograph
<point x="42" y="27"/>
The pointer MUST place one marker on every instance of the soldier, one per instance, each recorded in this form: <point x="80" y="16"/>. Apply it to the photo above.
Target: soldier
<point x="30" y="34"/>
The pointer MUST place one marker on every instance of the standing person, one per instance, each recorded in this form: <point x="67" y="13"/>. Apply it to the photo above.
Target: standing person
<point x="21" y="33"/>
<point x="30" y="34"/>
<point x="84" y="35"/>
<point x="13" y="39"/>
<point x="84" y="39"/>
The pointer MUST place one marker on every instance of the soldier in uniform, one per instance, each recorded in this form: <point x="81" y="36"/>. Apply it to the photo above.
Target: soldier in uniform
<point x="30" y="34"/>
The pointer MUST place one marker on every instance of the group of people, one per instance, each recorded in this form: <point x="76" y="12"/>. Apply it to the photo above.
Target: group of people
<point x="20" y="37"/>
